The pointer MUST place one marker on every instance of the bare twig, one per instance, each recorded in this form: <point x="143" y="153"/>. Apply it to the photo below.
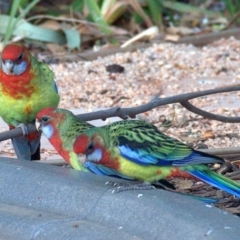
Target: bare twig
<point x="222" y="152"/>
<point x="209" y="115"/>
<point x="233" y="20"/>
<point x="16" y="132"/>
<point x="125" y="113"/>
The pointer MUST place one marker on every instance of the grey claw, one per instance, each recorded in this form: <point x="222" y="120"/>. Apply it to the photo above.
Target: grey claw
<point x="23" y="128"/>
<point x="114" y="184"/>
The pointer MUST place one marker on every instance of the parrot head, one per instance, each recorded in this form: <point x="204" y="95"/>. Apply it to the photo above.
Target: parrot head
<point x="15" y="59"/>
<point x="49" y="119"/>
<point x="89" y="146"/>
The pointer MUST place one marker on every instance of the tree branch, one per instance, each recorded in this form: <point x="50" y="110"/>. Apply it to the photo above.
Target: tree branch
<point x="209" y="115"/>
<point x="16" y="132"/>
<point x="125" y="113"/>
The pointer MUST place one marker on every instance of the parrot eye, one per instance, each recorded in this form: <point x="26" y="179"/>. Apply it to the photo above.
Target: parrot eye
<point x="90" y="146"/>
<point x="20" y="57"/>
<point x="45" y="119"/>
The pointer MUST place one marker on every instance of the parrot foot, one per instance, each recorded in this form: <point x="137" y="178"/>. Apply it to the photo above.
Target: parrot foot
<point x="118" y="184"/>
<point x="133" y="186"/>
<point x="23" y="128"/>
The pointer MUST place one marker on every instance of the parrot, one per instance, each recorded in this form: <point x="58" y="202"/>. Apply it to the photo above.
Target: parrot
<point x="26" y="86"/>
<point x="62" y="128"/>
<point x="138" y="150"/>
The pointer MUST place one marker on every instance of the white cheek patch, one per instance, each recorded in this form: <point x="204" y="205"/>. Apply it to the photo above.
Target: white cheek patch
<point x="47" y="131"/>
<point x="17" y="69"/>
<point x="95" y="156"/>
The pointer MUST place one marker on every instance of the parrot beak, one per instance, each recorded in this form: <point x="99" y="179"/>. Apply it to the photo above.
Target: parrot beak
<point x="8" y="66"/>
<point x="82" y="158"/>
<point x="38" y="125"/>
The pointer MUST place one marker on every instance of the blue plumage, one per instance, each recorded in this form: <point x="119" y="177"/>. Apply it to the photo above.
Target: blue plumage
<point x="55" y="87"/>
<point x="217" y="181"/>
<point x="143" y="157"/>
<point x="104" y="171"/>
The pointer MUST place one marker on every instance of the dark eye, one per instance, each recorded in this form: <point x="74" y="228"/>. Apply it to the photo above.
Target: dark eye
<point x="20" y="57"/>
<point x="45" y="119"/>
<point x="90" y="146"/>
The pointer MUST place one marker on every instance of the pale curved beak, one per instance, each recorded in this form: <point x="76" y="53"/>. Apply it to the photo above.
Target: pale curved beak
<point x="38" y="125"/>
<point x="8" y="66"/>
<point x="82" y="158"/>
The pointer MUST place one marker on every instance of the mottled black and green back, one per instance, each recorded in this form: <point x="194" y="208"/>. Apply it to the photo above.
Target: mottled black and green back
<point x="144" y="144"/>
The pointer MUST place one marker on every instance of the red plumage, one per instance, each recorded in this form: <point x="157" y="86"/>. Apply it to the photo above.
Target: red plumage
<point x="13" y="51"/>
<point x="56" y="139"/>
<point x="17" y="86"/>
<point x="107" y="160"/>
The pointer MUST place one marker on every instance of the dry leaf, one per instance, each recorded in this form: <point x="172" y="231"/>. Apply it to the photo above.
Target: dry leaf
<point x="208" y="134"/>
<point x="184" y="183"/>
<point x="55" y="48"/>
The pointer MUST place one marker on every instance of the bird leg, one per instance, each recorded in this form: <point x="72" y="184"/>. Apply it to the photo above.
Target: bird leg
<point x="164" y="184"/>
<point x="27" y="145"/>
<point x="120" y="187"/>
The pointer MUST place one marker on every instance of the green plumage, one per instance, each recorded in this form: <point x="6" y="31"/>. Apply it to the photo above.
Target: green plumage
<point x="139" y="134"/>
<point x="139" y="150"/>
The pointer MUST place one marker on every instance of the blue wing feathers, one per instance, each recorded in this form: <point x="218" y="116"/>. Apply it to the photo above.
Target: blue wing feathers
<point x="104" y="171"/>
<point x="55" y="87"/>
<point x="196" y="158"/>
<point x="137" y="156"/>
<point x="141" y="156"/>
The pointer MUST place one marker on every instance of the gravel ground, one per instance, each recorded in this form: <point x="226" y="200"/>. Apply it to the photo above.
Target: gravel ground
<point x="163" y="70"/>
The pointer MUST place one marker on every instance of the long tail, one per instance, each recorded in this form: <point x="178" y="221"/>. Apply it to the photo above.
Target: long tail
<point x="202" y="199"/>
<point x="218" y="181"/>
